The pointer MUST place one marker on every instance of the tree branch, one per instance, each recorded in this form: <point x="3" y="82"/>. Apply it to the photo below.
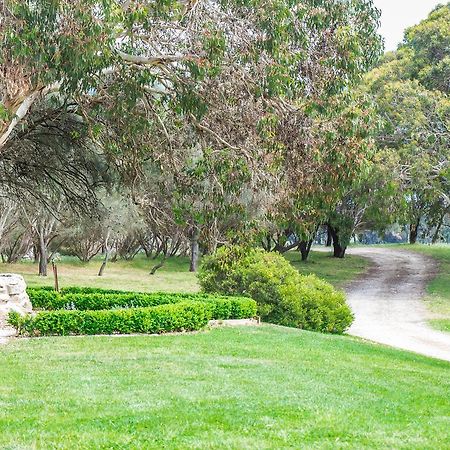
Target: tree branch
<point x="23" y="109"/>
<point x="155" y="60"/>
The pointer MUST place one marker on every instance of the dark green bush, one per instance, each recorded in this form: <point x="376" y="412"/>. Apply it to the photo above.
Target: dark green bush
<point x="283" y="295"/>
<point x="183" y="316"/>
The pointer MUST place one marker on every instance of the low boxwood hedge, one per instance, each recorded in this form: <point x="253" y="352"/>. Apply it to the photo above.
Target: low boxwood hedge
<point x="97" y="311"/>
<point x="225" y="307"/>
<point x="183" y="316"/>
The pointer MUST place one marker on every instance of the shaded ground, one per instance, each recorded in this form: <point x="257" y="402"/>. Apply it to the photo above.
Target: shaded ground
<point x="388" y="302"/>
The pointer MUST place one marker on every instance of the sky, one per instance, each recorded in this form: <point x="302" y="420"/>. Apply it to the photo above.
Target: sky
<point x="397" y="15"/>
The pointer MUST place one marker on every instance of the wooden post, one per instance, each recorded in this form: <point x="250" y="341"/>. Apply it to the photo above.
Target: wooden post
<point x="55" y="274"/>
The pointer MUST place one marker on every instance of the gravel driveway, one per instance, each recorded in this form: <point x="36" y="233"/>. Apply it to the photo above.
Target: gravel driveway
<point x="388" y="302"/>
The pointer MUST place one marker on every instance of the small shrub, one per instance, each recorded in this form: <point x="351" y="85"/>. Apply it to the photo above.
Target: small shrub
<point x="283" y="295"/>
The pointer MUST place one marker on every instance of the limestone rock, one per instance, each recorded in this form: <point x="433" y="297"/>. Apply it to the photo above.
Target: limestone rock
<point x="13" y="295"/>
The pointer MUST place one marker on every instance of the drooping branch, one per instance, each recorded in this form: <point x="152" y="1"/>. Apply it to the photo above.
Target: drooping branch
<point x="24" y="108"/>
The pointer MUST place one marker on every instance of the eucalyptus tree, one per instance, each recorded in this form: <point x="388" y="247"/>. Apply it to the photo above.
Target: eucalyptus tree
<point x="221" y="147"/>
<point x="161" y="82"/>
<point x="410" y="89"/>
<point x="86" y="49"/>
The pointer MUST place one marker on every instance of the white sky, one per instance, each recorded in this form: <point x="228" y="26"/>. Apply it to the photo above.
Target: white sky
<point x="397" y="15"/>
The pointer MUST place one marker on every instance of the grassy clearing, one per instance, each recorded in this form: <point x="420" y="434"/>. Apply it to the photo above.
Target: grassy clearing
<point x="127" y="275"/>
<point x="336" y="271"/>
<point x="438" y="289"/>
<point x="255" y="387"/>
<point x="174" y="276"/>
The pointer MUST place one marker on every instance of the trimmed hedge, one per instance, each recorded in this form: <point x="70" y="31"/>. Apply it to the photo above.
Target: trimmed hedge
<point x="97" y="311"/>
<point x="43" y="298"/>
<point x="185" y="316"/>
<point x="91" y="290"/>
<point x="225" y="307"/>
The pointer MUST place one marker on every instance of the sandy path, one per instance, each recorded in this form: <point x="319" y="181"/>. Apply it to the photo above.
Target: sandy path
<point x="388" y="306"/>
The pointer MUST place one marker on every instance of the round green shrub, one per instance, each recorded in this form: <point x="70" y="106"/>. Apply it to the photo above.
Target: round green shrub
<point x="283" y="295"/>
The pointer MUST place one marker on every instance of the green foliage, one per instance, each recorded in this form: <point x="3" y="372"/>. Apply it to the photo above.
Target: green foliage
<point x="410" y="92"/>
<point x="325" y="308"/>
<point x="184" y="316"/>
<point x="83" y="299"/>
<point x="283" y="295"/>
<point x="96" y="311"/>
<point x="43" y="298"/>
<point x="90" y="299"/>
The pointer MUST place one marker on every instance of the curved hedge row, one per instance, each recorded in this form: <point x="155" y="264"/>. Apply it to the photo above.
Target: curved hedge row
<point x="97" y="311"/>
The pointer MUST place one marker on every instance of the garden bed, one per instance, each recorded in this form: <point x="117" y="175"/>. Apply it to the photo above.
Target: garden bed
<point x="87" y="311"/>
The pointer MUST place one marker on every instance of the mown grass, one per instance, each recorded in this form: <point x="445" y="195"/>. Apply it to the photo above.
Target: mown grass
<point x="438" y="289"/>
<point x="250" y="387"/>
<point x="336" y="271"/>
<point x="133" y="275"/>
<point x="174" y="276"/>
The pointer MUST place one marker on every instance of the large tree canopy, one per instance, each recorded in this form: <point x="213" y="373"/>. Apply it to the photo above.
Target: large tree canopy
<point x="205" y="108"/>
<point x="85" y="48"/>
<point x="410" y="89"/>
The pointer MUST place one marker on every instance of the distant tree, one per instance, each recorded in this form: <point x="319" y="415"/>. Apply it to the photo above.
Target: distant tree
<point x="417" y="132"/>
<point x="410" y="89"/>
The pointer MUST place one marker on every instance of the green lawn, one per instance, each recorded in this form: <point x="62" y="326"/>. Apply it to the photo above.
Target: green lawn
<point x="438" y="289"/>
<point x="255" y="387"/>
<point x="127" y="275"/>
<point x="336" y="271"/>
<point x="174" y="276"/>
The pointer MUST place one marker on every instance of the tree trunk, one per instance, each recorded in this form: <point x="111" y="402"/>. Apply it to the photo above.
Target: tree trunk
<point x="55" y="275"/>
<point x="158" y="266"/>
<point x="305" y="248"/>
<point x="36" y="253"/>
<point x="104" y="262"/>
<point x="438" y="227"/>
<point x="329" y="238"/>
<point x="338" y="249"/>
<point x="42" y="257"/>
<point x="195" y="251"/>
<point x="414" y="231"/>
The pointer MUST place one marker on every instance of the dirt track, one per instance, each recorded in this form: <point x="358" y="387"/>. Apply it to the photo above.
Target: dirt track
<point x="388" y="306"/>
